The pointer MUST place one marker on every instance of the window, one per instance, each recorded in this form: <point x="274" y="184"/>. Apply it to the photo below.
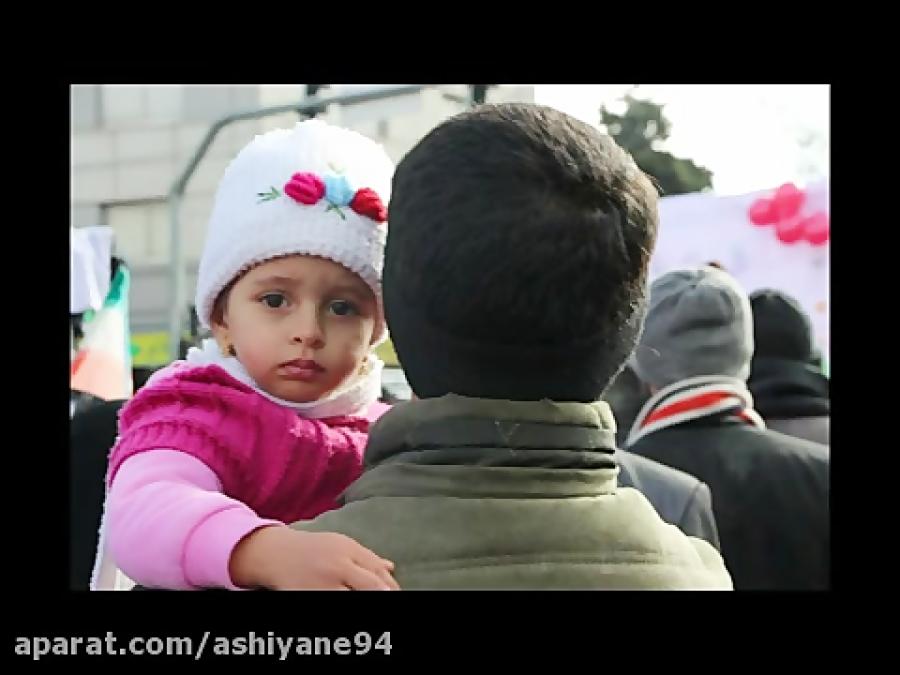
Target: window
<point x="142" y="231"/>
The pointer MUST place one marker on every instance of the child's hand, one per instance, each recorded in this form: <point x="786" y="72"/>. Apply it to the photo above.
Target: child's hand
<point x="280" y="558"/>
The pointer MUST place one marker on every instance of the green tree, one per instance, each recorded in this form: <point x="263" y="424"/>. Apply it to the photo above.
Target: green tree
<point x="640" y="130"/>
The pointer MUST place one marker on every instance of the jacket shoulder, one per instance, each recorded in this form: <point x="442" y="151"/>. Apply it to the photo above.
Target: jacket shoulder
<point x="644" y="470"/>
<point x="797" y="450"/>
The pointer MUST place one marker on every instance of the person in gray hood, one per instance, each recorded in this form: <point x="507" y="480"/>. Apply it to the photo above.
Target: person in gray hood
<point x="770" y="491"/>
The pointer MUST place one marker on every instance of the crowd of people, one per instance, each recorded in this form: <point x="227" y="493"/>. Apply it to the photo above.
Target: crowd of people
<point x="571" y="425"/>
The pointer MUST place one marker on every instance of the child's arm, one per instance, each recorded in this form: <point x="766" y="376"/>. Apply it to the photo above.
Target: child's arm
<point x="281" y="558"/>
<point x="169" y="524"/>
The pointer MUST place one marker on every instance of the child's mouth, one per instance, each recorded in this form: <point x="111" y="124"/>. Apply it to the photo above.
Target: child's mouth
<point x="300" y="369"/>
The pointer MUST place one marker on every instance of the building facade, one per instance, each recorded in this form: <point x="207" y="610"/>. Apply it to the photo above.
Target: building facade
<point x="131" y="142"/>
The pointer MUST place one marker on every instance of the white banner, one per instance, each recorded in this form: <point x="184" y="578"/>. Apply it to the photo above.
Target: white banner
<point x="90" y="258"/>
<point x="702" y="227"/>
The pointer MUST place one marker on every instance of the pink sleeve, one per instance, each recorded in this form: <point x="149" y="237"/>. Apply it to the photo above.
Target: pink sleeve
<point x="169" y="524"/>
<point x="376" y="410"/>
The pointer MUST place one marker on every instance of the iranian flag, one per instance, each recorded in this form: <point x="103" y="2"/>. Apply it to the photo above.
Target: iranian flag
<point x="102" y="365"/>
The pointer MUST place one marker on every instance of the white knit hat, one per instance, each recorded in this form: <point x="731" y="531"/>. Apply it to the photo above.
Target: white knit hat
<point x="315" y="189"/>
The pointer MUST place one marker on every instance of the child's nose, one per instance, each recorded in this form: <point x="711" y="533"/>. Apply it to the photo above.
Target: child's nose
<point x="307" y="329"/>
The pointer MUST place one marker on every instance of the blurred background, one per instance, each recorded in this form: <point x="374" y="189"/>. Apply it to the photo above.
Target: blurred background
<point x="146" y="160"/>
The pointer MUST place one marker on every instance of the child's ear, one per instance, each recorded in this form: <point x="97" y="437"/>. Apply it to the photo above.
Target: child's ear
<point x="221" y="336"/>
<point x="221" y="333"/>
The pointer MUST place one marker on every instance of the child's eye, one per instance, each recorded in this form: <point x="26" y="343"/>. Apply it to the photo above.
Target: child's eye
<point x="342" y="308"/>
<point x="274" y="300"/>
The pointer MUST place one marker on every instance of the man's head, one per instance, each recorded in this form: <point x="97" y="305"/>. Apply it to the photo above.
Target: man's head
<point x="516" y="261"/>
<point x="698" y="323"/>
<point x="781" y="329"/>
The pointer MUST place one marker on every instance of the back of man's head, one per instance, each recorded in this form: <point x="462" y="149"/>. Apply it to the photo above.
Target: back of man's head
<point x="517" y="255"/>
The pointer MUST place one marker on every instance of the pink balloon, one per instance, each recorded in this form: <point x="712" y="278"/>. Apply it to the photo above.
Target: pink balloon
<point x="789" y="231"/>
<point x="817" y="228"/>
<point x="761" y="212"/>
<point x="788" y="201"/>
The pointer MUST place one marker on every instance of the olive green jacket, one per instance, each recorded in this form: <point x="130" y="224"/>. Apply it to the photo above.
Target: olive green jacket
<point x="465" y="493"/>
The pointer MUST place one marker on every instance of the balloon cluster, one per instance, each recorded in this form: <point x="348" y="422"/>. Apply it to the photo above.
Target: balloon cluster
<point x="784" y="210"/>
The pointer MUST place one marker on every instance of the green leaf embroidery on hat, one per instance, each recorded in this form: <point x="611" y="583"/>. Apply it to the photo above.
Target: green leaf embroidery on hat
<point x="335" y="207"/>
<point x="273" y="193"/>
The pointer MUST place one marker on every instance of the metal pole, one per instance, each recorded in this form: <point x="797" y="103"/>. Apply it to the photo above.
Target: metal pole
<point x="176" y="285"/>
<point x="479" y="93"/>
<point x="177" y="272"/>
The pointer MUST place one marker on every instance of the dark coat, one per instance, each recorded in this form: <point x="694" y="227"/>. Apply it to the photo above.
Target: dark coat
<point x="792" y="396"/>
<point x="92" y="434"/>
<point x="770" y="498"/>
<point x="679" y="498"/>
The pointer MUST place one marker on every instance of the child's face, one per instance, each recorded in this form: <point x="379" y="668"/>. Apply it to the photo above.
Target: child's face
<point x="300" y="325"/>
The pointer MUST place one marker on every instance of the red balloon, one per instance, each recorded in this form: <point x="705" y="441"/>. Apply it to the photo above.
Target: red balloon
<point x="788" y="201"/>
<point x="761" y="212"/>
<point x="817" y="228"/>
<point x="789" y="231"/>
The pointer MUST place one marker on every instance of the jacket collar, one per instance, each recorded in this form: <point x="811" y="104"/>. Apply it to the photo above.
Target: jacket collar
<point x="430" y="446"/>
<point x="783" y="388"/>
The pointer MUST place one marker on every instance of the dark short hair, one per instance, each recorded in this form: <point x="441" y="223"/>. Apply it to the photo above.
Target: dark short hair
<point x="521" y="233"/>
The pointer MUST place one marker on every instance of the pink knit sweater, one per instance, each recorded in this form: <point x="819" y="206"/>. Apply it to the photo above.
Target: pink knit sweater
<point x="202" y="460"/>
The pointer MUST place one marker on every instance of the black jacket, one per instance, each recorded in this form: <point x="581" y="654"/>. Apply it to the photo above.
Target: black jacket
<point x="92" y="434"/>
<point x="792" y="396"/>
<point x="626" y="396"/>
<point x="679" y="498"/>
<point x="770" y="498"/>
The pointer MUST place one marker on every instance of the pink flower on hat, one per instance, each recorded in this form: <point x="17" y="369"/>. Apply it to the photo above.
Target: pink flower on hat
<point x="306" y="188"/>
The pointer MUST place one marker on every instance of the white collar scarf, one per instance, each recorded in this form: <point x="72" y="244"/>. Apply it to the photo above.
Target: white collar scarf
<point x="692" y="399"/>
<point x="351" y="399"/>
